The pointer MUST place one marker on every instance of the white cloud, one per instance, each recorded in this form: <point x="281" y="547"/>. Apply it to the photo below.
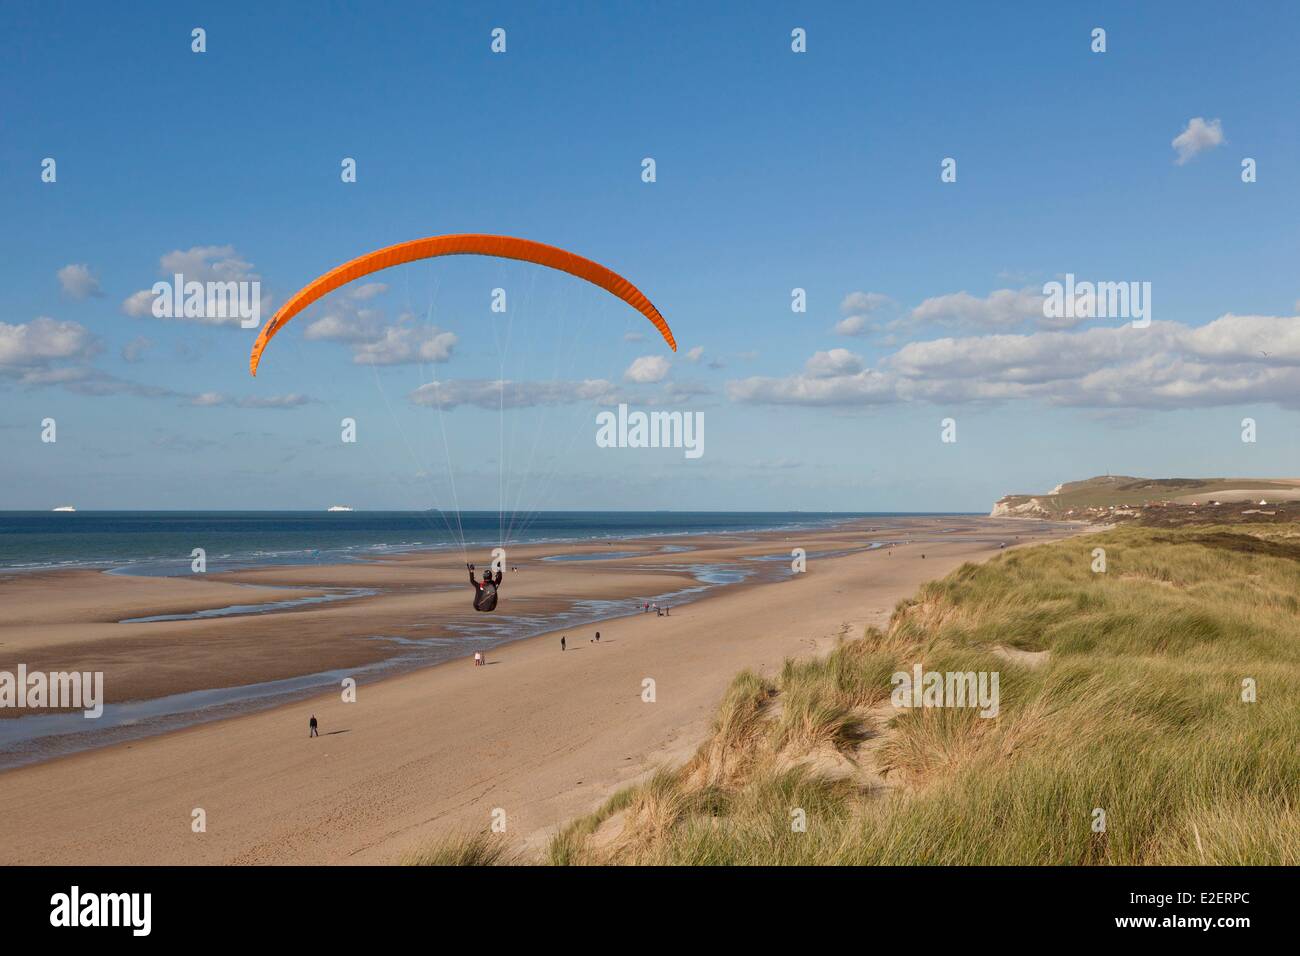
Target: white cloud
<point x="492" y="394"/>
<point x="84" y="380"/>
<point x="647" y="369"/>
<point x="139" y="305"/>
<point x="77" y="282"/>
<point x="834" y="362"/>
<point x="400" y="345"/>
<point x="347" y="324"/>
<point x="633" y="336"/>
<point x="365" y="291"/>
<point x="47" y="353"/>
<point x="135" y="350"/>
<point x="292" y="400"/>
<point x="853" y="325"/>
<point x="407" y="342"/>
<point x="863" y="388"/>
<point x="860" y="303"/>
<point x="695" y="354"/>
<point x="1235" y="359"/>
<point x="217" y="399"/>
<point x="207" y="264"/>
<point x="42" y="341"/>
<point x="680" y="391"/>
<point x="858" y="309"/>
<point x="1002" y="308"/>
<point x="200" y="264"/>
<point x="47" y="376"/>
<point x="1196" y="138"/>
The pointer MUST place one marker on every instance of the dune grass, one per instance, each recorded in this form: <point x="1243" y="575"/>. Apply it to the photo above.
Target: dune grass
<point x="1136" y="710"/>
<point x="465" y="849"/>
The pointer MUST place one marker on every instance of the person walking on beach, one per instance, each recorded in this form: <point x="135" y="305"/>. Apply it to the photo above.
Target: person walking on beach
<point x="598" y="637"/>
<point x="313" y="732"/>
<point x="561" y="643"/>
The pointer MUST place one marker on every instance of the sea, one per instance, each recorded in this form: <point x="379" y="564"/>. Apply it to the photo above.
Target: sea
<point x="162" y="542"/>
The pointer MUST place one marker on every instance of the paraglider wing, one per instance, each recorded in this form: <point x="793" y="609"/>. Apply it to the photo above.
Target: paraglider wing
<point x="504" y="247"/>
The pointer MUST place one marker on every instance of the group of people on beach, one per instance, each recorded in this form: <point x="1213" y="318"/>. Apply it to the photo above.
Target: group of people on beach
<point x="485" y="599"/>
<point x="646" y="608"/>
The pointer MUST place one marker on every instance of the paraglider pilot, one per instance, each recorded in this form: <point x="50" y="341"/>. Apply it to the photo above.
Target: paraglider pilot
<point x="485" y="591"/>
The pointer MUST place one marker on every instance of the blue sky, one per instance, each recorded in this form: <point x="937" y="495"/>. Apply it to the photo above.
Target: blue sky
<point x="775" y="170"/>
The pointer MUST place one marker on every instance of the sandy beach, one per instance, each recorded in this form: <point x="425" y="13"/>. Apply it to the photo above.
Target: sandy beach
<point x="539" y="734"/>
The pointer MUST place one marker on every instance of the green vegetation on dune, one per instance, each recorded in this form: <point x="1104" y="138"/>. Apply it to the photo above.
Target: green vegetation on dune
<point x="464" y="849"/>
<point x="1135" y="708"/>
<point x="1126" y="490"/>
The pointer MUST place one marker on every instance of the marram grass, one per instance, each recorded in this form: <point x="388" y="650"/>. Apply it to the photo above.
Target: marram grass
<point x="1136" y="711"/>
<point x="465" y="849"/>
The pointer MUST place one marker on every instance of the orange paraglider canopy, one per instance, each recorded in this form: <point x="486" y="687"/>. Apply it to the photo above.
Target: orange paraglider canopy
<point x="468" y="244"/>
